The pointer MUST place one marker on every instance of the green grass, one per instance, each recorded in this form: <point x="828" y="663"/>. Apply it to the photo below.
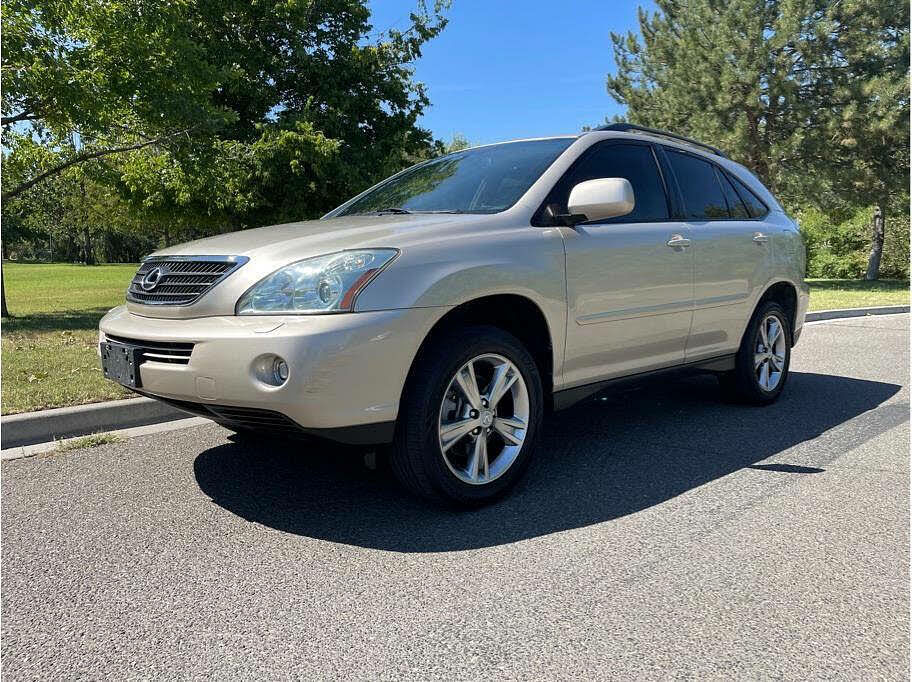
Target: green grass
<point x="49" y="344"/>
<point x="93" y="441"/>
<point x="828" y="294"/>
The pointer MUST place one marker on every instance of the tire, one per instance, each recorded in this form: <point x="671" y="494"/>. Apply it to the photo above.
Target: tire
<point x="745" y="383"/>
<point x="428" y="455"/>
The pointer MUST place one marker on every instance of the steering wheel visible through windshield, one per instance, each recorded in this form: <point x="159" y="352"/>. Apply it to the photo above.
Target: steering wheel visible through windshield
<point x="486" y="179"/>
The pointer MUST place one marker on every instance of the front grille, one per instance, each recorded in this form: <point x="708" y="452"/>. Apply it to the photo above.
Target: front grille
<point x="176" y="353"/>
<point x="179" y="280"/>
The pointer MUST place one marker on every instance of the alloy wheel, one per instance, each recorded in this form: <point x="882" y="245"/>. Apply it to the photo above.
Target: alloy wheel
<point x="483" y="419"/>
<point x="769" y="353"/>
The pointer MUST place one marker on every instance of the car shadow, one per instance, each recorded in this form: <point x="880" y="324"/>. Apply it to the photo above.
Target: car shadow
<point x="615" y="455"/>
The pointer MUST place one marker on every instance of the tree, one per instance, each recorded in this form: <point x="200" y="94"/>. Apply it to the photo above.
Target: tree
<point x="812" y="96"/>
<point x="260" y="97"/>
<point x="3" y="310"/>
<point x="458" y="143"/>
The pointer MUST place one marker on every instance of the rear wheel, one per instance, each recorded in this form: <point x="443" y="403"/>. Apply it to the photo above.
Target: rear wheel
<point x="762" y="363"/>
<point x="469" y="418"/>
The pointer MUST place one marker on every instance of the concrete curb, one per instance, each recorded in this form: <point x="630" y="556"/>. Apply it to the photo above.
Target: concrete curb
<point x="52" y="446"/>
<point x="818" y="315"/>
<point x="29" y="428"/>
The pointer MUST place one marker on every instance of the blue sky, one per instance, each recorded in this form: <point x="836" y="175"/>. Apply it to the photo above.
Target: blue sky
<point x="504" y="69"/>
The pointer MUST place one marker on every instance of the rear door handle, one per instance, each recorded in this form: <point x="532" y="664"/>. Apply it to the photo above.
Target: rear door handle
<point x="678" y="240"/>
<point x="760" y="238"/>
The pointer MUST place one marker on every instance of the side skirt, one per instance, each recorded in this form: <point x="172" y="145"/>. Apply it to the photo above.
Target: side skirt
<point x="570" y="396"/>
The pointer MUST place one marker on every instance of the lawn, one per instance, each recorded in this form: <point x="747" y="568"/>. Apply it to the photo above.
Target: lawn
<point x="827" y="294"/>
<point x="49" y="345"/>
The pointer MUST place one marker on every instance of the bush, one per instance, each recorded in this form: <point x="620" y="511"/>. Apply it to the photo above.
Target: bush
<point x="895" y="262"/>
<point x="840" y="250"/>
<point x="830" y="266"/>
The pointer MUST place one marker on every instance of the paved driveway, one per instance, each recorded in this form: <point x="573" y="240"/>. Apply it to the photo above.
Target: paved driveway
<point x="659" y="533"/>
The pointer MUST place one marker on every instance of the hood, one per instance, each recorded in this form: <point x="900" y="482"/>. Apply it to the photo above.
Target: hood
<point x="294" y="241"/>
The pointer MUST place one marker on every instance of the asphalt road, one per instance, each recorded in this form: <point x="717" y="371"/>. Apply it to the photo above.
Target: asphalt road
<point x="660" y="533"/>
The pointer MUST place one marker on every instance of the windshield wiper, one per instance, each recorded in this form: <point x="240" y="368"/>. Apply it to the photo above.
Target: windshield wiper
<point x="394" y="209"/>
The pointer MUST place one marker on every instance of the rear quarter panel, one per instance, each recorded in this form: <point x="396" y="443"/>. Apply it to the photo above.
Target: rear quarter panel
<point x="790" y="262"/>
<point x="786" y="264"/>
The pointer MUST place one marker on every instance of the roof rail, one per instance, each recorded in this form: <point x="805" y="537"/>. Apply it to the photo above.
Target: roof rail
<point x="633" y="128"/>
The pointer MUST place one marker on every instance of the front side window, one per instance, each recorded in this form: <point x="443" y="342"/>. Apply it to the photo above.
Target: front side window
<point x="636" y="163"/>
<point x="482" y="180"/>
<point x="703" y="198"/>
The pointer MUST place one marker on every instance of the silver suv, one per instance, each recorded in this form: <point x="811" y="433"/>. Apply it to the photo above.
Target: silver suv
<point x="444" y="310"/>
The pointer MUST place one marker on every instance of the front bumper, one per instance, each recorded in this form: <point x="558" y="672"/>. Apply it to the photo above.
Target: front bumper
<point x="345" y="370"/>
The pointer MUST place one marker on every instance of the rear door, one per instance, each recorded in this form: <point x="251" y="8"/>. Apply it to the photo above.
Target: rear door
<point x="629" y="291"/>
<point x="731" y="254"/>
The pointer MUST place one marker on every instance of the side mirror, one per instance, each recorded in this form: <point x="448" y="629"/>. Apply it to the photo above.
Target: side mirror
<point x="601" y="199"/>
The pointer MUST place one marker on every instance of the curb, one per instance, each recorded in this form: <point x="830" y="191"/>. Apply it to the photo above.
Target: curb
<point x="43" y="426"/>
<point x="42" y="448"/>
<point x="819" y="315"/>
<point x="29" y="428"/>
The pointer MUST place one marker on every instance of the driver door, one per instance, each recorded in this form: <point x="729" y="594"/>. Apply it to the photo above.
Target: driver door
<point x="630" y="280"/>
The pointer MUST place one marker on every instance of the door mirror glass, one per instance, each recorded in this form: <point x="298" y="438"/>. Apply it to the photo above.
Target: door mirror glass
<point x="601" y="199"/>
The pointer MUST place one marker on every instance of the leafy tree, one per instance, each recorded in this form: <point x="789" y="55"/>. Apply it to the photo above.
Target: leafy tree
<point x="457" y="144"/>
<point x="269" y="90"/>
<point x="811" y="95"/>
<point x="74" y="217"/>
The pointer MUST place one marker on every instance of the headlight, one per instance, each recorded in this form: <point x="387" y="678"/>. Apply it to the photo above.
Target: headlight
<point x="323" y="284"/>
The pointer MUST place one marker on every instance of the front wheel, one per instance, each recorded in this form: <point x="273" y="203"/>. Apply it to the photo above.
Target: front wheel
<point x="469" y="418"/>
<point x="762" y="363"/>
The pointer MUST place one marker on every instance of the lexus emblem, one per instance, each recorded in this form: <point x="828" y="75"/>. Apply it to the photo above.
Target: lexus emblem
<point x="152" y="278"/>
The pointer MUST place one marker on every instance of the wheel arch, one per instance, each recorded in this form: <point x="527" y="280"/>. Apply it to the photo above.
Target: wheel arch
<point x="515" y="314"/>
<point x="784" y="293"/>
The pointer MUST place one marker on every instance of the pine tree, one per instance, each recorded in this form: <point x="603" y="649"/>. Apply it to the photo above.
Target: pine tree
<point x="812" y="96"/>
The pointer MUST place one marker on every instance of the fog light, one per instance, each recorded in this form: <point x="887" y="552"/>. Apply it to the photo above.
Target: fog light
<point x="280" y="370"/>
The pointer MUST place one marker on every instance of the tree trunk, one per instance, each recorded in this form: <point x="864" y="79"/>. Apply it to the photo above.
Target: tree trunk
<point x="877" y="242"/>
<point x="88" y="251"/>
<point x="88" y="254"/>
<point x="4" y="312"/>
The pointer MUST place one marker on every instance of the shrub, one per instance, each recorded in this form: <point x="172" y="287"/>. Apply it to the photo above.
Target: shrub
<point x="840" y="250"/>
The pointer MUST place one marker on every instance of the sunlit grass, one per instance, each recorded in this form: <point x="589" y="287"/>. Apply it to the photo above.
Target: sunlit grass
<point x="828" y="294"/>
<point x="49" y="344"/>
<point x="93" y="441"/>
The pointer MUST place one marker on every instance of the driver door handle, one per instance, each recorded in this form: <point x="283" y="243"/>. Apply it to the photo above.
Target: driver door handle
<point x="678" y="240"/>
<point x="760" y="238"/>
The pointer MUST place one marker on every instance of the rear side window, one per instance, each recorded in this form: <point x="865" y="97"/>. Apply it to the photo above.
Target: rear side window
<point x="736" y="207"/>
<point x="634" y="162"/>
<point x="703" y="197"/>
<point x="755" y="207"/>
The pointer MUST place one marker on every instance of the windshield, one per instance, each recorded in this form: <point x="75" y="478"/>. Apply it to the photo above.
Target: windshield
<point x="482" y="180"/>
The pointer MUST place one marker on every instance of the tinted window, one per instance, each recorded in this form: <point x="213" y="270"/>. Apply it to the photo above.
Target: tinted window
<point x="481" y="180"/>
<point x="755" y="207"/>
<point x="736" y="207"/>
<point x="634" y="162"/>
<point x="703" y="198"/>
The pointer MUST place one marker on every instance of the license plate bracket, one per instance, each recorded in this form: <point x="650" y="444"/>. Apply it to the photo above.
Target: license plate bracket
<point x="120" y="362"/>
